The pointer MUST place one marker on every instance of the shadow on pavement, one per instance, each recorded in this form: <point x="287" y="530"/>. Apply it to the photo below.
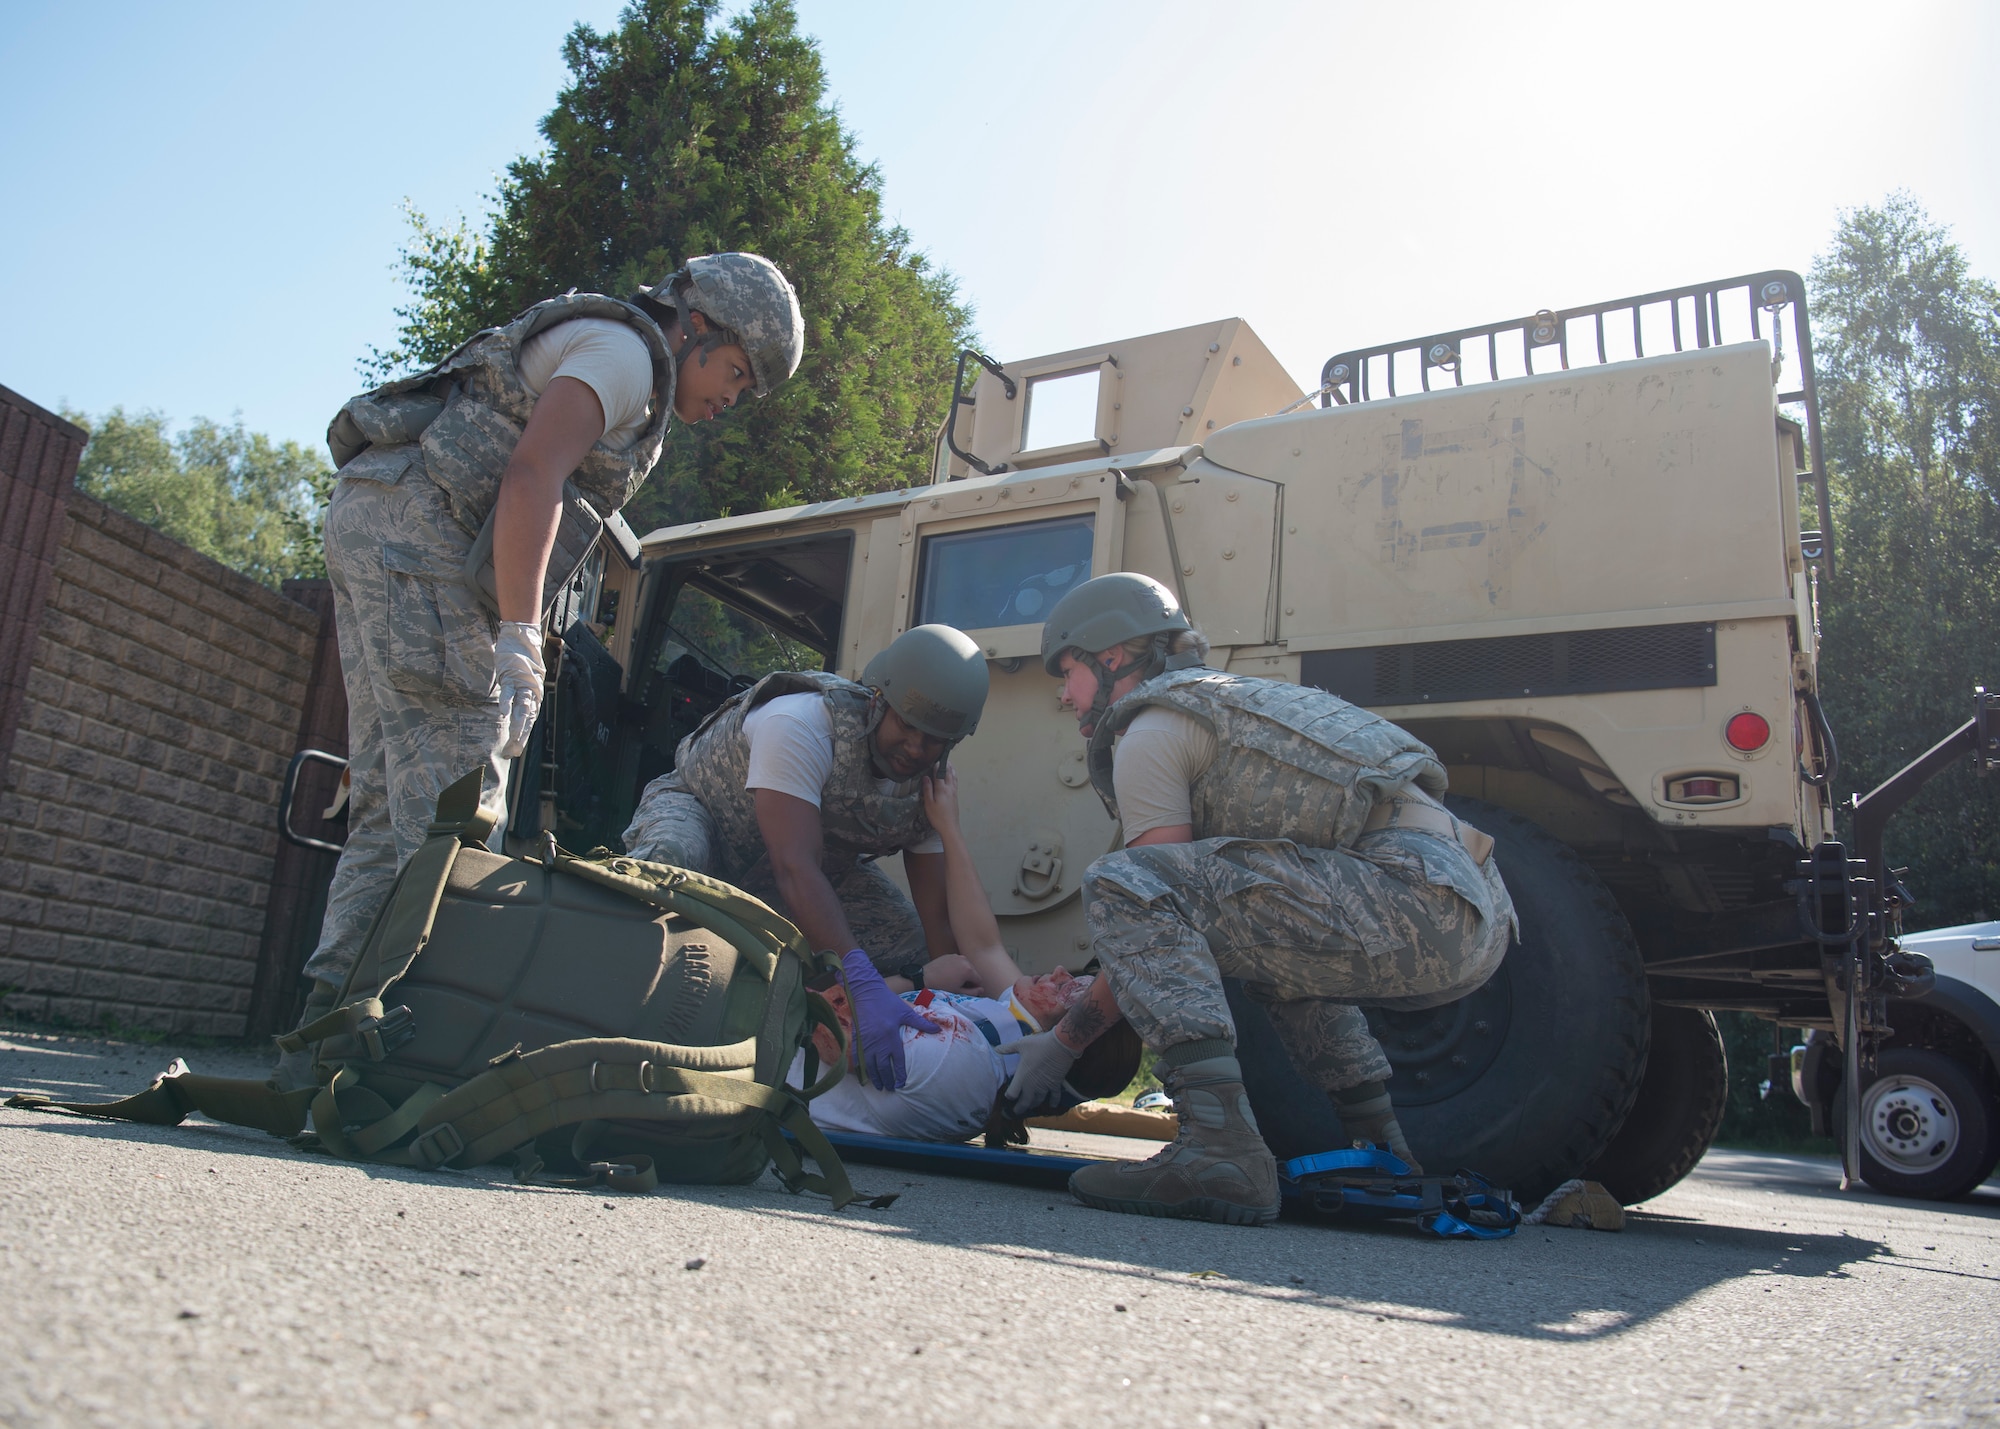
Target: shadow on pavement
<point x="1541" y="1284"/>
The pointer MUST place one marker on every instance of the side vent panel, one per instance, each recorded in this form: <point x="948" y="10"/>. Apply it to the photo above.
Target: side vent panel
<point x="1570" y="662"/>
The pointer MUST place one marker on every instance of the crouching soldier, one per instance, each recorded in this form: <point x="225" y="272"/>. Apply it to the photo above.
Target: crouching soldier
<point x="793" y="788"/>
<point x="1273" y="833"/>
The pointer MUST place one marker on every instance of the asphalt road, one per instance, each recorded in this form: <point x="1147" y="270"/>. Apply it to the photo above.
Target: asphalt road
<point x="206" y="1275"/>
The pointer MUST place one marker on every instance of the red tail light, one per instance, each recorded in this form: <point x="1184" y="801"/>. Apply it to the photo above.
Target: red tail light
<point x="1747" y="733"/>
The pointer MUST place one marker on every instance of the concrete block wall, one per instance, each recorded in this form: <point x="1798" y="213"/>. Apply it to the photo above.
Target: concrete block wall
<point x="38" y="457"/>
<point x="137" y="830"/>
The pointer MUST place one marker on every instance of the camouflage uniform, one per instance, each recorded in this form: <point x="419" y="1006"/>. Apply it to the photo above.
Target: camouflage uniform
<point x="421" y="466"/>
<point x="1284" y="886"/>
<point x="701" y="816"/>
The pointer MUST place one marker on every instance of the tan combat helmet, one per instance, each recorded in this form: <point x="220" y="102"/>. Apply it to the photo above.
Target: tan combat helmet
<point x="750" y="301"/>
<point x="935" y="677"/>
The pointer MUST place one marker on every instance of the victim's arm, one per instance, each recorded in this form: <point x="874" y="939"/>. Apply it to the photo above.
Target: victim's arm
<point x="973" y="925"/>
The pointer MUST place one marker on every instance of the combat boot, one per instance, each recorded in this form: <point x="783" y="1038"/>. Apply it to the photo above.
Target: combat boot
<point x="1216" y="1169"/>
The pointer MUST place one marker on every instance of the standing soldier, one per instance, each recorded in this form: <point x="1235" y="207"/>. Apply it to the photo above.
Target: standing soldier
<point x="792" y="789"/>
<point x="456" y="486"/>
<point x="1273" y="833"/>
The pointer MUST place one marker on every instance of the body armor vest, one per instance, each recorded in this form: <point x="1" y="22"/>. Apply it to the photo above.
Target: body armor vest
<point x="857" y="819"/>
<point x="468" y="411"/>
<point x="1291" y="761"/>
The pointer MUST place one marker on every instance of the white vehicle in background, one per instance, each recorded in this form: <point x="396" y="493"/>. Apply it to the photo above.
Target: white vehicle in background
<point x="1930" y="1120"/>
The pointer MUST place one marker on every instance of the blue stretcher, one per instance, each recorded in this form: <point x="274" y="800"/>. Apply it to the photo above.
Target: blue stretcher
<point x="1364" y="1184"/>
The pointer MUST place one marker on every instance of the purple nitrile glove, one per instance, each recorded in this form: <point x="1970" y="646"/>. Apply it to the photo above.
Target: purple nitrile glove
<point x="879" y="1017"/>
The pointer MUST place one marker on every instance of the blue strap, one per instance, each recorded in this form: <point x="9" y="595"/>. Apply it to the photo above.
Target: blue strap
<point x="1360" y="1158"/>
<point x="1450" y="1227"/>
<point x="1376" y="1184"/>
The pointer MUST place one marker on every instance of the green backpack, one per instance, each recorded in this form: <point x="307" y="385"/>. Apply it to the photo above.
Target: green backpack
<point x="633" y="1020"/>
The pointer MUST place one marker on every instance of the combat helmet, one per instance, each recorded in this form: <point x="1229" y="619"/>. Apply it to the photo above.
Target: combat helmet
<point x="935" y="677"/>
<point x="753" y="304"/>
<point x="1106" y="611"/>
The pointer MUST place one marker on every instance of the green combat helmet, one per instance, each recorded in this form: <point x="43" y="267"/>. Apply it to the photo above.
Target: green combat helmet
<point x="752" y="302"/>
<point x="1108" y="611"/>
<point x="935" y="677"/>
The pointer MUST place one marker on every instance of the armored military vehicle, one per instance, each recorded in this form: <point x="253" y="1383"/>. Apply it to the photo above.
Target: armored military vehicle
<point x="1576" y="552"/>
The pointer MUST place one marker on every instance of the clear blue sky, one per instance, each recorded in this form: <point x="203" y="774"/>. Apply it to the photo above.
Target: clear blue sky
<point x="203" y="201"/>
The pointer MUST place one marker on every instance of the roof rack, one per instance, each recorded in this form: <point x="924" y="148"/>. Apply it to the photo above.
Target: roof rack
<point x="1671" y="320"/>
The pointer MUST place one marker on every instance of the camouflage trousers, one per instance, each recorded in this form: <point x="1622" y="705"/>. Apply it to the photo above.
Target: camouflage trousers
<point x="416" y="656"/>
<point x="672" y="826"/>
<point x="1315" y="934"/>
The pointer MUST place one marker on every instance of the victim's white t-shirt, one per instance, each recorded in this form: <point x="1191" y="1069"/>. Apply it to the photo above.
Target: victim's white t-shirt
<point x="605" y="355"/>
<point x="954" y="1073"/>
<point x="791" y="751"/>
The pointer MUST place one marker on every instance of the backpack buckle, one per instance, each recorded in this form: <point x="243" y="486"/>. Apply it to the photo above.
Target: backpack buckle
<point x="383" y="1035"/>
<point x="437" y="1146"/>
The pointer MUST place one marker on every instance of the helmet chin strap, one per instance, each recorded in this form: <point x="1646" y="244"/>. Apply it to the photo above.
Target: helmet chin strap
<point x="699" y="344"/>
<point x="1155" y="663"/>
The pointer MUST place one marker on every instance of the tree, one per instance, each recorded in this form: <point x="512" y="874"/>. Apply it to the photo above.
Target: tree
<point x="676" y="137"/>
<point x="234" y="495"/>
<point x="1908" y="343"/>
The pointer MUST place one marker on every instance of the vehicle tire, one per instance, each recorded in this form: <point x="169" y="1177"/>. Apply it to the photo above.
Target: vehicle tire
<point x="1681" y="1101"/>
<point x="1525" y="1080"/>
<point x="1928" y="1129"/>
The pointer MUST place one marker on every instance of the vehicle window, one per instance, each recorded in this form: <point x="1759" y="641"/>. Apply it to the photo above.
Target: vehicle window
<point x="1062" y="410"/>
<point x="727" y="640"/>
<point x="1002" y="575"/>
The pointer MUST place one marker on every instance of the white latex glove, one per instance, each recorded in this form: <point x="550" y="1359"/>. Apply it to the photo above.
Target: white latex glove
<point x="518" y="668"/>
<point x="1038" y="1076"/>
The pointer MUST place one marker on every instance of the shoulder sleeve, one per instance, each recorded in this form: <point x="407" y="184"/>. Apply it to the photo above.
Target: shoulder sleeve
<point x="606" y="356"/>
<point x="1154" y="767"/>
<point x="791" y="747"/>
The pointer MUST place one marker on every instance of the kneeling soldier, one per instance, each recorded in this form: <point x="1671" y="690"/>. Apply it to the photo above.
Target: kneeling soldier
<point x="1274" y="833"/>
<point x="793" y="788"/>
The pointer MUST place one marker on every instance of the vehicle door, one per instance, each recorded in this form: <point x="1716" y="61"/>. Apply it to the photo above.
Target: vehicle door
<point x="993" y="559"/>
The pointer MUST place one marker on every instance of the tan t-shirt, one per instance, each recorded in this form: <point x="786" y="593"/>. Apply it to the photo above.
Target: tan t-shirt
<point x="607" y="357"/>
<point x="1153" y="769"/>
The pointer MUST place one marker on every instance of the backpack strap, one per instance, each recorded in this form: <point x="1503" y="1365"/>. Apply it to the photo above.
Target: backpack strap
<point x="405" y="924"/>
<point x="177" y="1092"/>
<point x="819" y="1012"/>
<point x="380" y="1032"/>
<point x="590" y="1079"/>
<point x="831" y="1181"/>
<point x="753" y="925"/>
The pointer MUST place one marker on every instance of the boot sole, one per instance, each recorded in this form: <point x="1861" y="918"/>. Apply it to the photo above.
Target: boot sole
<point x="1195" y="1208"/>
